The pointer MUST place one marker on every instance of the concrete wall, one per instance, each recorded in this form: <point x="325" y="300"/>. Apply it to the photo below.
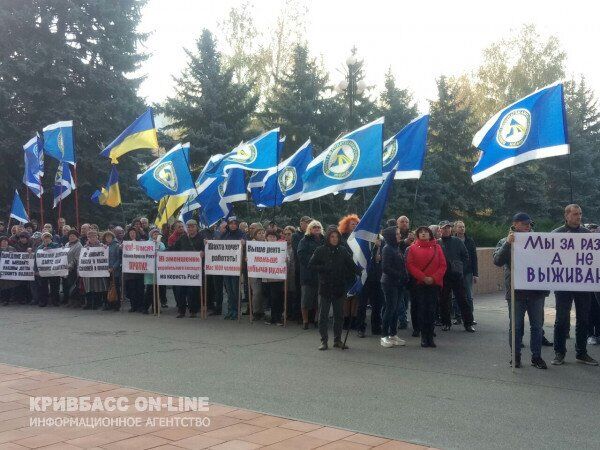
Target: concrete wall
<point x="491" y="278"/>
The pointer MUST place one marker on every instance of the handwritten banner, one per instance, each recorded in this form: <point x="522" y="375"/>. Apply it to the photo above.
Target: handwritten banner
<point x="179" y="268"/>
<point x="17" y="266"/>
<point x="267" y="259"/>
<point x="52" y="262"/>
<point x="138" y="257"/>
<point x="223" y="258"/>
<point x="93" y="262"/>
<point x="557" y="261"/>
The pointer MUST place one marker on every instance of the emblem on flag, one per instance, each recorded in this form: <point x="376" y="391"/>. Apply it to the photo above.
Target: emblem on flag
<point x="165" y="174"/>
<point x="514" y="128"/>
<point x="287" y="179"/>
<point x="390" y="151"/>
<point x="341" y="160"/>
<point x="246" y="154"/>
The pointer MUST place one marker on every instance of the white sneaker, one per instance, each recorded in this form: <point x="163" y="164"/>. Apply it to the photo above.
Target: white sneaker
<point x="387" y="342"/>
<point x="397" y="341"/>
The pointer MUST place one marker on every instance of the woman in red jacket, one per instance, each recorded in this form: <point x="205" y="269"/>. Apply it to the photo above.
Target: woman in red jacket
<point x="426" y="264"/>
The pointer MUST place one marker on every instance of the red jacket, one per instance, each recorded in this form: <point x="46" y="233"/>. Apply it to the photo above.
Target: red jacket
<point x="174" y="237"/>
<point x="418" y="256"/>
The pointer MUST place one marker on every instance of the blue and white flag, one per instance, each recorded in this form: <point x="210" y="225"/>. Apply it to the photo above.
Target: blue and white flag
<point x="534" y="127"/>
<point x="366" y="232"/>
<point x="205" y="179"/>
<point x="232" y="189"/>
<point x="284" y="182"/>
<point x="257" y="180"/>
<point x="34" y="165"/>
<point x="169" y="174"/>
<point x="17" y="211"/>
<point x="63" y="183"/>
<point x="260" y="153"/>
<point x="407" y="149"/>
<point x="58" y="141"/>
<point x="352" y="161"/>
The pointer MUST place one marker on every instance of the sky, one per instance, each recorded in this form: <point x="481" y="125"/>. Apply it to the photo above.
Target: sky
<point x="419" y="41"/>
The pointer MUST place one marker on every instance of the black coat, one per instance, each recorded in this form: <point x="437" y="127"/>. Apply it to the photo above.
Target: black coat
<point x="336" y="270"/>
<point x="393" y="266"/>
<point x="188" y="244"/>
<point x="306" y="248"/>
<point x="472" y="267"/>
<point x="454" y="250"/>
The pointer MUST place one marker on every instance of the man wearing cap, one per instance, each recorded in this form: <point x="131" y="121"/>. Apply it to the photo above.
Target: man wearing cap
<point x="188" y="297"/>
<point x="564" y="301"/>
<point x="457" y="258"/>
<point x="48" y="287"/>
<point x="530" y="302"/>
<point x="232" y="283"/>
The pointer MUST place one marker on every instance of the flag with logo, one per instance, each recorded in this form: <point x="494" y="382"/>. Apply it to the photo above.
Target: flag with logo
<point x="63" y="183"/>
<point x="258" y="154"/>
<point x="58" y="141"/>
<point x="407" y="150"/>
<point x="284" y="182"/>
<point x="169" y="174"/>
<point x="17" y="211"/>
<point x="168" y="207"/>
<point x="141" y="134"/>
<point x="533" y="127"/>
<point x="352" y="161"/>
<point x="257" y="180"/>
<point x="34" y="165"/>
<point x="111" y="194"/>
<point x="363" y="238"/>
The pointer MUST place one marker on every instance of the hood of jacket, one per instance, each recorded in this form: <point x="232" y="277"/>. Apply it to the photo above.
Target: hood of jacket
<point x="389" y="235"/>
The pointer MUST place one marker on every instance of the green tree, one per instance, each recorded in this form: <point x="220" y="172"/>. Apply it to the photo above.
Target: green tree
<point x="396" y="104"/>
<point x="70" y="59"/>
<point x="209" y="109"/>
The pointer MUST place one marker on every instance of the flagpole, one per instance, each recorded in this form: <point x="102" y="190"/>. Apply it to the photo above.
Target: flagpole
<point x="41" y="209"/>
<point x="570" y="178"/>
<point x="27" y="194"/>
<point x="59" y="212"/>
<point x="76" y="190"/>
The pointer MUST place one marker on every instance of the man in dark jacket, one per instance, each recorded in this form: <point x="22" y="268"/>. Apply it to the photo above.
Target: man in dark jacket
<point x="372" y="294"/>
<point x="335" y="269"/>
<point x="309" y="281"/>
<point x="470" y="271"/>
<point x="564" y="300"/>
<point x="531" y="302"/>
<point x="296" y="238"/>
<point x="188" y="297"/>
<point x="48" y="287"/>
<point x="232" y="284"/>
<point x="457" y="258"/>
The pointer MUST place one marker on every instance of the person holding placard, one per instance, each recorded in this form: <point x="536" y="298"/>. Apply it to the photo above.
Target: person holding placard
<point x="70" y="288"/>
<point x="231" y="283"/>
<point x="149" y="277"/>
<point x="564" y="301"/>
<point x="256" y="284"/>
<point x="6" y="286"/>
<point x="114" y="264"/>
<point x="273" y="291"/>
<point x="48" y="287"/>
<point x="24" y="290"/>
<point x="530" y="302"/>
<point x="95" y="287"/>
<point x="134" y="282"/>
<point x="309" y="280"/>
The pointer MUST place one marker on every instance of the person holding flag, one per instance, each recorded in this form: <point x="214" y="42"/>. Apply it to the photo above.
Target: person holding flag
<point x="17" y="211"/>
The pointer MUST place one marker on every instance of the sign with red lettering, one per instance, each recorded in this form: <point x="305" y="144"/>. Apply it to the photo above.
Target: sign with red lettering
<point x="223" y="258"/>
<point x="267" y="259"/>
<point x="138" y="256"/>
<point x="557" y="261"/>
<point x="179" y="268"/>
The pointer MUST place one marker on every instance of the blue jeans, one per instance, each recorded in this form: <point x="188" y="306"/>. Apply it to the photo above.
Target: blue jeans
<point x="232" y="287"/>
<point x="534" y="306"/>
<point x="564" y="300"/>
<point x="391" y="294"/>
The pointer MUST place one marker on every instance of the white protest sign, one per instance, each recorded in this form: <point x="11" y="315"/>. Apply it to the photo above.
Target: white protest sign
<point x="52" y="262"/>
<point x="179" y="268"/>
<point x="138" y="256"/>
<point x="223" y="258"/>
<point x="93" y="262"/>
<point x="557" y="261"/>
<point x="17" y="266"/>
<point x="267" y="259"/>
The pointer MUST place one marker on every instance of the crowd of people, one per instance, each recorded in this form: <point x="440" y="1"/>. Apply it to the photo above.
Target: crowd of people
<point x="426" y="274"/>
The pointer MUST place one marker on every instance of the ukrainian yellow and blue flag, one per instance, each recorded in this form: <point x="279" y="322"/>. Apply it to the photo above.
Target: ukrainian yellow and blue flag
<point x="109" y="195"/>
<point x="140" y="134"/>
<point x="168" y="207"/>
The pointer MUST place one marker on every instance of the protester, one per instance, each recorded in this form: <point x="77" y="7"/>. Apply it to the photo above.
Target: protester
<point x="335" y="269"/>
<point x="296" y="238"/>
<point x="256" y="284"/>
<point x="83" y="232"/>
<point x="70" y="286"/>
<point x="426" y="265"/>
<point x="177" y="230"/>
<point x="134" y="282"/>
<point x="564" y="300"/>
<point x="406" y="238"/>
<point x="119" y="233"/>
<point x="6" y="286"/>
<point x="457" y="258"/>
<point x="115" y="256"/>
<point x="188" y="297"/>
<point x="149" y="277"/>
<point x="346" y="226"/>
<point x="530" y="302"/>
<point x="96" y="288"/>
<point x="470" y="270"/>
<point x="309" y="280"/>
<point x="293" y="292"/>
<point x="48" y="287"/>
<point x="64" y="238"/>
<point x="232" y="283"/>
<point x="393" y="280"/>
<point x="139" y="228"/>
<point x="273" y="290"/>
<point x="25" y="291"/>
